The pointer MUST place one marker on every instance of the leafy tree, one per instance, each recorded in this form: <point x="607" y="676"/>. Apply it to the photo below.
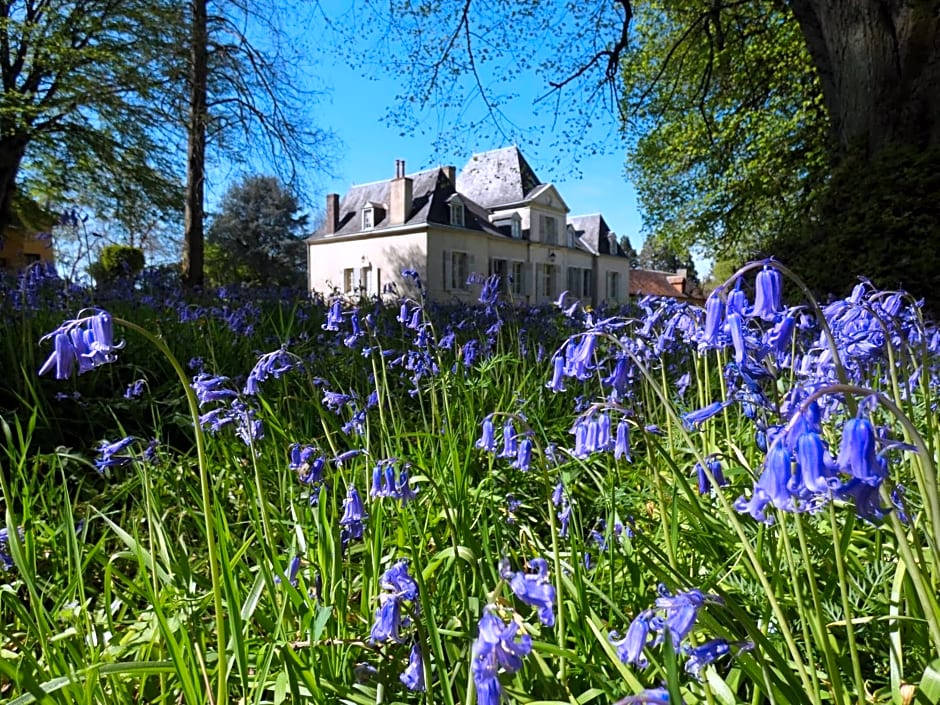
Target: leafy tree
<point x="629" y="251"/>
<point x="256" y="238"/>
<point x="116" y="262"/>
<point x="78" y="79"/>
<point x="665" y="256"/>
<point x="730" y="131"/>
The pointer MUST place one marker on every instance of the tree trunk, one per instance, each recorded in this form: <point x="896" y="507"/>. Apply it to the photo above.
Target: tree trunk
<point x="194" y="217"/>
<point x="879" y="63"/>
<point x="12" y="150"/>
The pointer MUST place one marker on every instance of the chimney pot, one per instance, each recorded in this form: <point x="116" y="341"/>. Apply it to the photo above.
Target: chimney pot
<point x="332" y="213"/>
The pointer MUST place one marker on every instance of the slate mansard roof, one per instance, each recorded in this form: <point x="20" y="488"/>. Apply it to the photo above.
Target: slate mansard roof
<point x="431" y="191"/>
<point x="497" y="178"/>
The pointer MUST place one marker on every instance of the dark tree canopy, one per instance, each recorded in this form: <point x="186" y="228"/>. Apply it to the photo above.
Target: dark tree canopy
<point x="256" y="238"/>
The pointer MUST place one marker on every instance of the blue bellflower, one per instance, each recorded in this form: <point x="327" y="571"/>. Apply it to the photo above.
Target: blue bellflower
<point x="496" y="647"/>
<point x="413" y="675"/>
<point x="534" y="589"/>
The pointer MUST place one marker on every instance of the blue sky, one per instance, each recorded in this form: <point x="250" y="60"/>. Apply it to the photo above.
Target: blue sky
<point x="354" y="107"/>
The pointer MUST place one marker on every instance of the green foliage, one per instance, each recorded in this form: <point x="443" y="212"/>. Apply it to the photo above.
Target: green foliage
<point x="666" y="256"/>
<point x="629" y="250"/>
<point x="77" y="110"/>
<point x="878" y="217"/>
<point x="116" y="261"/>
<point x="727" y="122"/>
<point x="256" y="238"/>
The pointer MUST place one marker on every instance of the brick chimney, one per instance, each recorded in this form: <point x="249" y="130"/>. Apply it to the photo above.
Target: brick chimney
<point x="679" y="281"/>
<point x="332" y="213"/>
<point x="451" y="173"/>
<point x="400" y="196"/>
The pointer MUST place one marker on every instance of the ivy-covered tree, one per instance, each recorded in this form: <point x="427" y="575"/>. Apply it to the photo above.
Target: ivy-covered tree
<point x="256" y="238"/>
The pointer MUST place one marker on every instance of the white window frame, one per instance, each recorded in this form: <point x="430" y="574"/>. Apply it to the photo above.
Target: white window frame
<point x="457" y="214"/>
<point x="368" y="218"/>
<point x="587" y="283"/>
<point x="515" y="227"/>
<point x="517" y="272"/>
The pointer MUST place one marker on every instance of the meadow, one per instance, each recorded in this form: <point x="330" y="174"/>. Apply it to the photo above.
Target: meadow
<point x="259" y="497"/>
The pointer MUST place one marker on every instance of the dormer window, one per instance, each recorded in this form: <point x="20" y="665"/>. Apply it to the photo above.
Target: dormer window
<point x="372" y="214"/>
<point x="516" y="227"/>
<point x="572" y="236"/>
<point x="457" y="213"/>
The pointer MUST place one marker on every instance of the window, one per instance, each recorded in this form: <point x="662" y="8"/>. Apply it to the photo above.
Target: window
<point x="587" y="283"/>
<point x="547" y="281"/>
<point x="516" y="227"/>
<point x="371" y="276"/>
<point x="613" y="286"/>
<point x="350" y="284"/>
<point x="31" y="258"/>
<point x="456" y="270"/>
<point x="456" y="214"/>
<point x="574" y="281"/>
<point x="500" y="267"/>
<point x="549" y="228"/>
<point x="572" y="236"/>
<point x="368" y="218"/>
<point x="517" y="272"/>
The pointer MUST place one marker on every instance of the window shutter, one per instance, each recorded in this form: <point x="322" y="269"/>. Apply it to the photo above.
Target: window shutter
<point x="471" y="264"/>
<point x="447" y="270"/>
<point x="526" y="279"/>
<point x="357" y="280"/>
<point x="378" y="281"/>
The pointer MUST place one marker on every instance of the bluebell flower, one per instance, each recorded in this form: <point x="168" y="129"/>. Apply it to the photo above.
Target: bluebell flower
<point x="693" y="419"/>
<point x="109" y="454"/>
<point x="134" y="389"/>
<point x="681" y="610"/>
<point x="353" y="517"/>
<point x="564" y="518"/>
<point x="512" y="506"/>
<point x="387" y="620"/>
<point x="87" y="341"/>
<point x="293" y="568"/>
<point x="865" y="497"/>
<point x="736" y="327"/>
<point x="714" y="321"/>
<point x="6" y="560"/>
<point x="495" y="647"/>
<point x="510" y="442"/>
<point x="579" y="359"/>
<point x="557" y="383"/>
<point x="534" y="588"/>
<point x="399" y="583"/>
<point x="817" y="469"/>
<point x="272" y="364"/>
<point x="773" y="486"/>
<point x="334" y="317"/>
<point x="857" y="452"/>
<point x="622" y="441"/>
<point x="524" y="455"/>
<point x="769" y="287"/>
<point x="487" y="441"/>
<point x="210" y="388"/>
<point x="630" y="648"/>
<point x="714" y="466"/>
<point x="649" y="696"/>
<point x="558" y="494"/>
<point x="413" y="675"/>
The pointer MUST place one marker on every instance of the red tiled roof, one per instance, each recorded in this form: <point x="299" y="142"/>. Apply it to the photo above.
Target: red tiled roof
<point x="644" y="282"/>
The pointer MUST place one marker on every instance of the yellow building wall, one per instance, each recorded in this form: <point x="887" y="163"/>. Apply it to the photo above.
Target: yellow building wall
<point x="19" y="248"/>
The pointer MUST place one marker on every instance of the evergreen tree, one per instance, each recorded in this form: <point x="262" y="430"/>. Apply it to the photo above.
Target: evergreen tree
<point x="257" y="236"/>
